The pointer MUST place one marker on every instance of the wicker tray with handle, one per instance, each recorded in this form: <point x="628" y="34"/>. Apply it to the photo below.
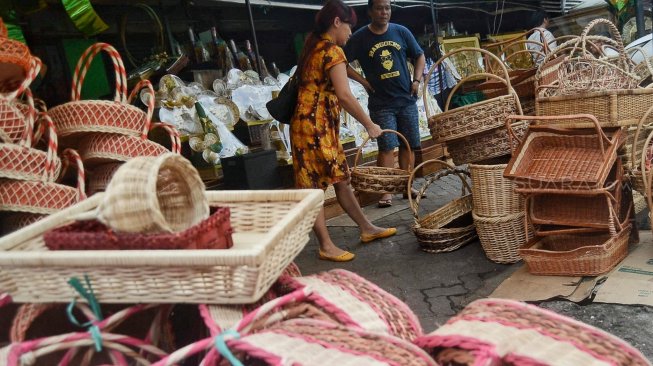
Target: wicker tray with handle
<point x="559" y="158"/>
<point x="450" y="226"/>
<point x="270" y="229"/>
<point x="375" y="179"/>
<point x="109" y="116"/>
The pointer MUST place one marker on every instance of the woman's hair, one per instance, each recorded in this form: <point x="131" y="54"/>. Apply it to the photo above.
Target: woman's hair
<point x="323" y="20"/>
<point x="538" y="17"/>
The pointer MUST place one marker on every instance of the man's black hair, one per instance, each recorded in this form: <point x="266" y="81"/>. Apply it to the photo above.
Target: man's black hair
<point x="538" y="17"/>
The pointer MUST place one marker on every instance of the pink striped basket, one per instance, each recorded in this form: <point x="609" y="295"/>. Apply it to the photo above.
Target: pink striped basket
<point x="20" y="161"/>
<point x="508" y="332"/>
<point x="43" y="197"/>
<point x="116" y="116"/>
<point x="14" y="121"/>
<point x="104" y="148"/>
<point x="66" y="347"/>
<point x="263" y="339"/>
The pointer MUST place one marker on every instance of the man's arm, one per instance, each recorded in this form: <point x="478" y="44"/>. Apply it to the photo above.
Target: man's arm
<point x="354" y="75"/>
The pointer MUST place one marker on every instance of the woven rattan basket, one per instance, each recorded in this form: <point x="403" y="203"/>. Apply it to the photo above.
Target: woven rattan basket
<point x="580" y="254"/>
<point x="154" y="194"/>
<point x="15" y="124"/>
<point x="270" y="229"/>
<point x="472" y="118"/>
<point x="641" y="153"/>
<point x="450" y="226"/>
<point x="501" y="236"/>
<point x="374" y="179"/>
<point x="15" y="58"/>
<point x="509" y="332"/>
<point x="493" y="194"/>
<point x="100" y="176"/>
<point x="484" y="146"/>
<point x="116" y="116"/>
<point x="558" y="158"/>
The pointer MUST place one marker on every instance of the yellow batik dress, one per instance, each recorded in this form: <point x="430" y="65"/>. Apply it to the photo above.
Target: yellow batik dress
<point x="318" y="157"/>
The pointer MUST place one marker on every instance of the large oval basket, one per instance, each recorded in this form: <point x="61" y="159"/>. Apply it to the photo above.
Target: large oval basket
<point x="373" y="179"/>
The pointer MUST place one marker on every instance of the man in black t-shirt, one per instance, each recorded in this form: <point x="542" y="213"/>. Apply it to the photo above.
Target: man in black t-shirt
<point x="382" y="48"/>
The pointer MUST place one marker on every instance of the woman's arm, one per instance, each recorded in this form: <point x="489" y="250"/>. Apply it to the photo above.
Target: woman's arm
<point x="338" y="76"/>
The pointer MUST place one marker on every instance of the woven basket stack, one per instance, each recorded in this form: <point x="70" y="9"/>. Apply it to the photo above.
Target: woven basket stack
<point x="572" y="181"/>
<point x="498" y="213"/>
<point x="475" y="132"/>
<point x="31" y="172"/>
<point x="108" y="133"/>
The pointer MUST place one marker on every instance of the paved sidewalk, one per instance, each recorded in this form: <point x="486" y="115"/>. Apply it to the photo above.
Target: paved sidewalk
<point x="437" y="286"/>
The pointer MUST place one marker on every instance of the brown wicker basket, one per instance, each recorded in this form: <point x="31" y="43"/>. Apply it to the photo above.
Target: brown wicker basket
<point x="558" y="158"/>
<point x="450" y="226"/>
<point x="477" y="117"/>
<point x="374" y="179"/>
<point x="484" y="146"/>
<point x="640" y="152"/>
<point x="493" y="194"/>
<point x="581" y="254"/>
<point x="502" y="236"/>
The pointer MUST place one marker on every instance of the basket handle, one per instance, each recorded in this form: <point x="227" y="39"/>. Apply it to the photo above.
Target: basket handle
<point x="84" y="63"/>
<point x="28" y="138"/>
<point x="360" y="148"/>
<point x="71" y="156"/>
<point x="601" y="135"/>
<point x="150" y="103"/>
<point x="615" y="35"/>
<point x="159" y="31"/>
<point x="640" y="125"/>
<point x="173" y="133"/>
<point x="448" y="169"/>
<point x="643" y="160"/>
<point x="487" y="53"/>
<point x="53" y="145"/>
<point x="506" y="82"/>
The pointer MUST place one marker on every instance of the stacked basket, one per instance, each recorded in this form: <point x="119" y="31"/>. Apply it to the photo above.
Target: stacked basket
<point x="111" y="132"/>
<point x="572" y="182"/>
<point x="498" y="213"/>
<point x="30" y="170"/>
<point x="475" y="132"/>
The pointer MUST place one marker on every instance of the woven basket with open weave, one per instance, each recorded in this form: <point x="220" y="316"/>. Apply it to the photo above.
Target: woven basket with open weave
<point x="15" y="58"/>
<point x="450" y="226"/>
<point x="508" y="332"/>
<point x="374" y="179"/>
<point x="16" y="118"/>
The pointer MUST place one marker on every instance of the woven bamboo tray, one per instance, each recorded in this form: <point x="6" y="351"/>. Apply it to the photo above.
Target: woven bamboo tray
<point x="582" y="254"/>
<point x="270" y="229"/>
<point x="558" y="158"/>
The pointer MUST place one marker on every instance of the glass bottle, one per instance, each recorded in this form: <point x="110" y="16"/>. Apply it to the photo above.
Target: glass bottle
<point x="275" y="70"/>
<point x="264" y="69"/>
<point x="242" y="60"/>
<point x="218" y="48"/>
<point x="228" y="60"/>
<point x="251" y="54"/>
<point x="208" y="127"/>
<point x="191" y="51"/>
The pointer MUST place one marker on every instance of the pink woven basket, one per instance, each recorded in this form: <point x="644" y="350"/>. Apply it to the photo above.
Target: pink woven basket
<point x="104" y="148"/>
<point x="15" y="123"/>
<point x="20" y="161"/>
<point x="211" y="233"/>
<point x="116" y="116"/>
<point x="15" y="56"/>
<point x="508" y="332"/>
<point x="43" y="197"/>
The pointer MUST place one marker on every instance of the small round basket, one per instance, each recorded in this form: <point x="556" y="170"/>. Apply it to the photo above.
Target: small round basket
<point x="154" y="194"/>
<point x="450" y="226"/>
<point x="373" y="179"/>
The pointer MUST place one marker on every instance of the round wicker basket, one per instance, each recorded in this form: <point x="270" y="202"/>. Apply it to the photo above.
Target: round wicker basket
<point x="450" y="226"/>
<point x="493" y="194"/>
<point x="380" y="179"/>
<point x="502" y="236"/>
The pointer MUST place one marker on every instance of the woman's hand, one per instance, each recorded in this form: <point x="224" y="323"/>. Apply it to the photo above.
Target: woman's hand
<point x="374" y="130"/>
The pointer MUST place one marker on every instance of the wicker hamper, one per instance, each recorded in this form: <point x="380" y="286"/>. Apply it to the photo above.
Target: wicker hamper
<point x="493" y="194"/>
<point x="502" y="236"/>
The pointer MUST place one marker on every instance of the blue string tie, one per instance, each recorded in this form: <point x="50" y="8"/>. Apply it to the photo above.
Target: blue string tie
<point x="223" y="349"/>
<point x="89" y="295"/>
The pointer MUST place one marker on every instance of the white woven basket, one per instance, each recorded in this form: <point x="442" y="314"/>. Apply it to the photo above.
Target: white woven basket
<point x="270" y="229"/>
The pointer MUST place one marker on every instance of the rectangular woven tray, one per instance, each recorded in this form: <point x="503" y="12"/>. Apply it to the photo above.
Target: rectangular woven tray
<point x="584" y="254"/>
<point x="270" y="229"/>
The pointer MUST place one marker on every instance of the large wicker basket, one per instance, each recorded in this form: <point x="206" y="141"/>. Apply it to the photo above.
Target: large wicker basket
<point x="270" y="229"/>
<point x="484" y="146"/>
<point x="450" y="226"/>
<point x="640" y="158"/>
<point x="116" y="116"/>
<point x="374" y="179"/>
<point x="578" y="254"/>
<point x="558" y="158"/>
<point x="501" y="236"/>
<point x="477" y="117"/>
